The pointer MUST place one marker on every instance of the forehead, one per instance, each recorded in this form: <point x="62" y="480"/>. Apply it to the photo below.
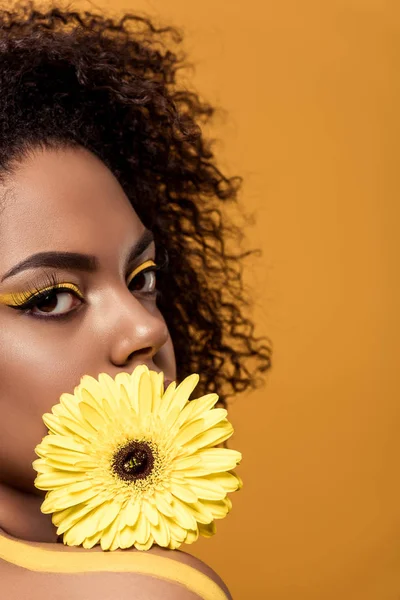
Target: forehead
<point x="64" y="199"/>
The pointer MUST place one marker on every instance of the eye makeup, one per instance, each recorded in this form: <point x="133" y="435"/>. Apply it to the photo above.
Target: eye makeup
<point x="52" y="285"/>
<point x="140" y="268"/>
<point x="38" y="292"/>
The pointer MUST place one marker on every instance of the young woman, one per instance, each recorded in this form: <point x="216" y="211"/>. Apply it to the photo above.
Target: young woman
<point x="112" y="255"/>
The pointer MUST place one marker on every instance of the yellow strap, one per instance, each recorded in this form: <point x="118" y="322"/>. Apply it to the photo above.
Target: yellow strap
<point x="25" y="555"/>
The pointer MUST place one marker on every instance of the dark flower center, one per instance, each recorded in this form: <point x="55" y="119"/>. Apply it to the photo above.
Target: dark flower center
<point x="133" y="461"/>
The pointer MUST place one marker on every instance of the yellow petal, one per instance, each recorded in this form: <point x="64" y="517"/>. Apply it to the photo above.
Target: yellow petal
<point x="177" y="533"/>
<point x="201" y="512"/>
<point x="219" y="509"/>
<point x="42" y="466"/>
<point x="239" y="479"/>
<point x="53" y="503"/>
<point x="80" y="429"/>
<point x="61" y="415"/>
<point x="110" y="389"/>
<point x="186" y="462"/>
<point x="53" y="423"/>
<point x="50" y="481"/>
<point x="228" y="481"/>
<point x="125" y="400"/>
<point x="196" y="408"/>
<point x="192" y="536"/>
<point x="211" y="437"/>
<point x="161" y="533"/>
<point x="131" y="513"/>
<point x="167" y="398"/>
<point x="142" y="529"/>
<point x="80" y="531"/>
<point x="109" y="409"/>
<point x="196" y="471"/>
<point x="67" y="443"/>
<point x="185" y="494"/>
<point x="157" y="382"/>
<point x="214" y="416"/>
<point x="189" y="432"/>
<point x="205" y="488"/>
<point x="225" y="430"/>
<point x="220" y="459"/>
<point x="150" y="512"/>
<point x="93" y="416"/>
<point x="64" y="519"/>
<point x="73" y="537"/>
<point x="126" y="537"/>
<point x="183" y="515"/>
<point x="65" y="460"/>
<point x="184" y="389"/>
<point x="125" y="379"/>
<point x="92" y="540"/>
<point x="109" y="511"/>
<point x="163" y="505"/>
<point x="90" y="384"/>
<point x="73" y="488"/>
<point x="145" y="390"/>
<point x="109" y="534"/>
<point x="86" y="465"/>
<point x="117" y="526"/>
<point x="137" y="372"/>
<point x="146" y="546"/>
<point x="207" y="530"/>
<point x="135" y="385"/>
<point x="69" y="403"/>
<point x="168" y="419"/>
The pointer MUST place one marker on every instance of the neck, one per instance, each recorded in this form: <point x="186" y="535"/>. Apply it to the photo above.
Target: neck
<point x="21" y="517"/>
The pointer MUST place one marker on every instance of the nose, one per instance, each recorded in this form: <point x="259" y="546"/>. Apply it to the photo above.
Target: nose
<point x="136" y="330"/>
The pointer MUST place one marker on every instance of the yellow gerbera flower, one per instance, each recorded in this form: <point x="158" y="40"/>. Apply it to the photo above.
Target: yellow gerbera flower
<point x="129" y="464"/>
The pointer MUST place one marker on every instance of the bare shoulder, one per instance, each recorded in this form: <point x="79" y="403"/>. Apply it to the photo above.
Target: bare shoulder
<point x="140" y="586"/>
<point x="194" y="562"/>
<point x="106" y="583"/>
<point x="160" y="589"/>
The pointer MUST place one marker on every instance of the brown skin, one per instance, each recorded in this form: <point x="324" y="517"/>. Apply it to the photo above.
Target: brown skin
<point x="65" y="200"/>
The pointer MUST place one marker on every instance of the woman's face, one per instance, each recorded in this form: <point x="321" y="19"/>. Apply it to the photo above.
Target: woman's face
<point x="68" y="201"/>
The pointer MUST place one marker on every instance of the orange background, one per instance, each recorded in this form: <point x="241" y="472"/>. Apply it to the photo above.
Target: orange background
<point x="312" y="95"/>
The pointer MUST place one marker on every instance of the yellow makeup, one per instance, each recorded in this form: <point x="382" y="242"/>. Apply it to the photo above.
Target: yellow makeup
<point x="140" y="268"/>
<point x="24" y="297"/>
<point x="21" y="298"/>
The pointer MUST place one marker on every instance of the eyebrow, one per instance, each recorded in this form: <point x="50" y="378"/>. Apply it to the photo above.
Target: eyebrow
<point x="75" y="260"/>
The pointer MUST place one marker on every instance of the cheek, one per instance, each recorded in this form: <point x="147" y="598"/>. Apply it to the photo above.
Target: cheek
<point x="33" y="366"/>
<point x="22" y="403"/>
<point x="32" y="377"/>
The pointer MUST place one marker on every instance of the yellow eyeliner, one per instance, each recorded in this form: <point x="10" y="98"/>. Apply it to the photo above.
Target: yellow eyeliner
<point x="19" y="298"/>
<point x="148" y="263"/>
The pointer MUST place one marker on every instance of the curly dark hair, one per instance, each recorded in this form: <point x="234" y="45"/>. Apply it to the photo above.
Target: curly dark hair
<point x="71" y="78"/>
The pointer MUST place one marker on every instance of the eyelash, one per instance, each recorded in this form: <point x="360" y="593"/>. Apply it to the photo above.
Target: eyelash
<point x="53" y="284"/>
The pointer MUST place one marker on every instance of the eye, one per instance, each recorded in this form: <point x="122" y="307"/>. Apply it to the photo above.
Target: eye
<point x="49" y="297"/>
<point x="55" y="302"/>
<point x="144" y="280"/>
